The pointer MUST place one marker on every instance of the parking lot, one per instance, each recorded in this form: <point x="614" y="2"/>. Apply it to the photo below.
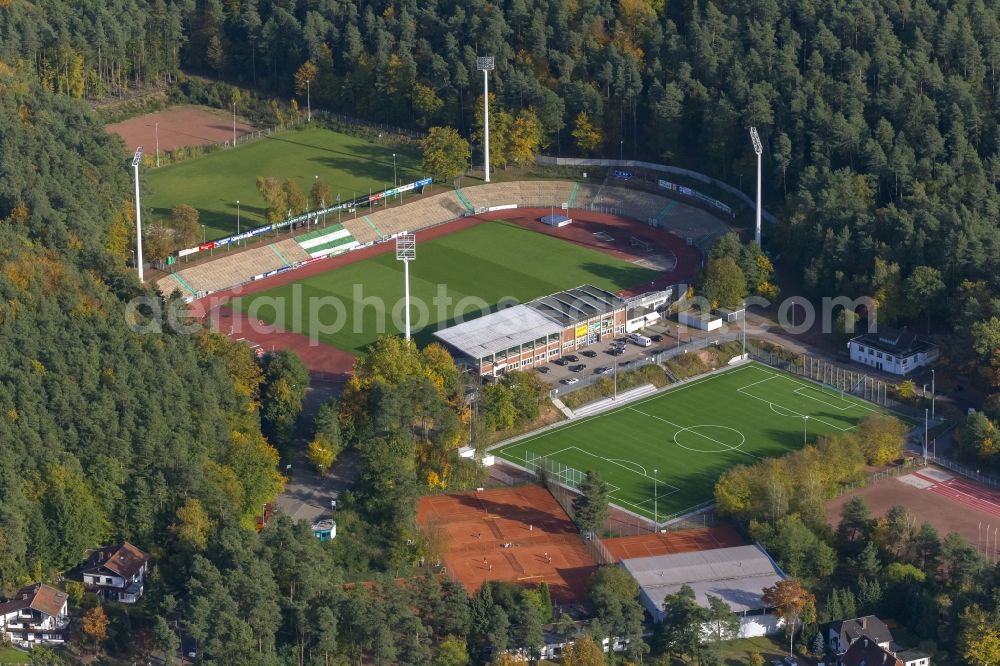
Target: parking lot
<point x="598" y="356"/>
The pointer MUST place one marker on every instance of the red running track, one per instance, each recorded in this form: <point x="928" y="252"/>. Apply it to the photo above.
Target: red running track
<point x="969" y="494"/>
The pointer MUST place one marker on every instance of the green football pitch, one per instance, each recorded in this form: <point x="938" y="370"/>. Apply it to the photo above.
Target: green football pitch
<point x="214" y="183"/>
<point x="458" y="275"/>
<point x="685" y="438"/>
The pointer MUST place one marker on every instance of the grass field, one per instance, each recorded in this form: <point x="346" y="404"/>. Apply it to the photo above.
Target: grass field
<point x="9" y="655"/>
<point x="692" y="434"/>
<point x="485" y="263"/>
<point x="215" y="182"/>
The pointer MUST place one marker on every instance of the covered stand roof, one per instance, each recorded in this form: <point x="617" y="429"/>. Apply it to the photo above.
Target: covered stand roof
<point x="572" y="305"/>
<point x="499" y="331"/>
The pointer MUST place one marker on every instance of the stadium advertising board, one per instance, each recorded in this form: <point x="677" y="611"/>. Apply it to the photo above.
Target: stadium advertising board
<point x="687" y="191"/>
<point x="581" y="330"/>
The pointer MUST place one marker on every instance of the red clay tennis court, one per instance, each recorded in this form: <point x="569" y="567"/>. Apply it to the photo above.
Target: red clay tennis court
<point x="681" y="541"/>
<point x="516" y="534"/>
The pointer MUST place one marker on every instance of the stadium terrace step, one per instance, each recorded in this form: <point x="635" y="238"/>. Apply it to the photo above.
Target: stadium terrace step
<point x="608" y="403"/>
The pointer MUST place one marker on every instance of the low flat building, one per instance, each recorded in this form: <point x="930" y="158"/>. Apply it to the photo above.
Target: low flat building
<point x="36" y="614"/>
<point x="534" y="333"/>
<point x="891" y="350"/>
<point x="737" y="575"/>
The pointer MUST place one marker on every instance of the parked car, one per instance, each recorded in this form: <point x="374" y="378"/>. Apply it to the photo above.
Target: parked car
<point x="579" y="367"/>
<point x="561" y="361"/>
<point x="572" y="358"/>
<point x="570" y="380"/>
<point x="589" y="353"/>
<point x="603" y="370"/>
<point x="656" y="338"/>
<point x="617" y="351"/>
<point x="544" y="369"/>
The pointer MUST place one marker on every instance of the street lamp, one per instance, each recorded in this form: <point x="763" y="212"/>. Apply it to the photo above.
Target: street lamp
<point x="656" y="512"/>
<point x="486" y="64"/>
<point x="395" y="182"/>
<point x="309" y="112"/>
<point x="621" y="150"/>
<point x="234" y="124"/>
<point x="237" y="217"/>
<point x="759" y="149"/>
<point x="156" y="131"/>
<point x="933" y="395"/>
<point x="805" y="429"/>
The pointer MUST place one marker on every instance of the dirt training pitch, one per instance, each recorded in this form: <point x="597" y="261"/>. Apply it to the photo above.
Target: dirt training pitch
<point x="517" y="534"/>
<point x="179" y="126"/>
<point x="945" y="500"/>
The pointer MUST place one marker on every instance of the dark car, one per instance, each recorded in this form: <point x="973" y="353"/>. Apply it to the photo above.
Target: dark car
<point x="579" y="367"/>
<point x="656" y="338"/>
<point x="561" y="361"/>
<point x="589" y="353"/>
<point x="544" y="369"/>
<point x="604" y="370"/>
<point x="571" y="358"/>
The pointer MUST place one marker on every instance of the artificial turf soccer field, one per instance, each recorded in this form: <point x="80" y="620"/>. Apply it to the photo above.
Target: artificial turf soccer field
<point x="214" y="183"/>
<point x="692" y="434"/>
<point x="489" y="262"/>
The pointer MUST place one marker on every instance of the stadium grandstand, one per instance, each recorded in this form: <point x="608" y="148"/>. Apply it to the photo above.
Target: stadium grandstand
<point x="381" y="224"/>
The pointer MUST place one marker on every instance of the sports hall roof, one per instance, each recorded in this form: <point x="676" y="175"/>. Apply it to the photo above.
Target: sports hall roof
<point x="736" y="575"/>
<point x="498" y="331"/>
<point x="574" y="305"/>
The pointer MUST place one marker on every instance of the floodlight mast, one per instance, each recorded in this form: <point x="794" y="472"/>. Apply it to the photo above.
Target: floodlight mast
<point x="406" y="251"/>
<point x="136" y="160"/>
<point x="759" y="149"/>
<point x="486" y="64"/>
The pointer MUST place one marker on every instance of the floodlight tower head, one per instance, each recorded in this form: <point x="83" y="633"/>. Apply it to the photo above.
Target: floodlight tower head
<point x="485" y="63"/>
<point x="757" y="147"/>
<point x="406" y="251"/>
<point x="138" y="157"/>
<point x="406" y="247"/>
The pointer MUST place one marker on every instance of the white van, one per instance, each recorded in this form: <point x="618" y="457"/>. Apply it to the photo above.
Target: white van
<point x="640" y="340"/>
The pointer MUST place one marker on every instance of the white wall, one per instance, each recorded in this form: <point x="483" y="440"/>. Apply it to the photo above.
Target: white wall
<point x="896" y="365"/>
<point x="760" y="625"/>
<point x="710" y="324"/>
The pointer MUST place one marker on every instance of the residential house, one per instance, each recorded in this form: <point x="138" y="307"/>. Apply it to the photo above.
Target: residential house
<point x="841" y="635"/>
<point x="38" y="613"/>
<point x="877" y="641"/>
<point x="866" y="652"/>
<point x="117" y="573"/>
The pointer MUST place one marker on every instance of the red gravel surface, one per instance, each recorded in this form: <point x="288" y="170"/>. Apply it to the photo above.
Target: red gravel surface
<point x="335" y="364"/>
<point x="957" y="505"/>
<point x="543" y="543"/>
<point x="681" y="541"/>
<point x="179" y="126"/>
